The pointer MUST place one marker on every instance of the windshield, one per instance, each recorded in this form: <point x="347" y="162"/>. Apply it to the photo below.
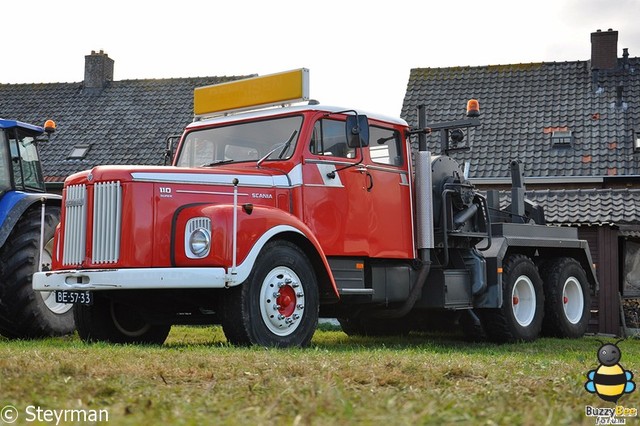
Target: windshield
<point x="26" y="165"/>
<point x="5" y="168"/>
<point x="241" y="142"/>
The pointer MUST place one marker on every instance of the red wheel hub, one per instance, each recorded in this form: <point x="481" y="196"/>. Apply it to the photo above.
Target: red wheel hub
<point x="286" y="301"/>
<point x="565" y="300"/>
<point x="516" y="300"/>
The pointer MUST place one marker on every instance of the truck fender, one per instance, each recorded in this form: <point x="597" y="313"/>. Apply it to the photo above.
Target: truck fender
<point x="257" y="225"/>
<point x="13" y="205"/>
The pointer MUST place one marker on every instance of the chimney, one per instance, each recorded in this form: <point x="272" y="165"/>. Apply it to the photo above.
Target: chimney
<point x="98" y="70"/>
<point x="604" y="50"/>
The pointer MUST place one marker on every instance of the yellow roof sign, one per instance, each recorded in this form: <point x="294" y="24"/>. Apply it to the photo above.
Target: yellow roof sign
<point x="256" y="92"/>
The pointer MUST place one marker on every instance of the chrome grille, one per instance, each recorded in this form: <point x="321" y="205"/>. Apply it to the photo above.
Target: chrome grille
<point x="107" y="214"/>
<point x="198" y="222"/>
<point x="75" y="225"/>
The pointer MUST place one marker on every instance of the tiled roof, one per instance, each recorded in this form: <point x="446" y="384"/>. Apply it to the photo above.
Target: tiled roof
<point x="127" y="122"/>
<point x="522" y="105"/>
<point x="586" y="206"/>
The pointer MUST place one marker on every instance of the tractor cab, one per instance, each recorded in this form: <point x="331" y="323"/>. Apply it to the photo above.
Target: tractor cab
<point x="20" y="167"/>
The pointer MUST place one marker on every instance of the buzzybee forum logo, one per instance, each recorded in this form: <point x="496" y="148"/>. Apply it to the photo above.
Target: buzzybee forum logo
<point x="610" y="381"/>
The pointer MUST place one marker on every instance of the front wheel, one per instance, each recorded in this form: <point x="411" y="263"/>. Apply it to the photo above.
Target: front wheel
<point x="567" y="299"/>
<point x="109" y="321"/>
<point x="520" y="317"/>
<point x="278" y="303"/>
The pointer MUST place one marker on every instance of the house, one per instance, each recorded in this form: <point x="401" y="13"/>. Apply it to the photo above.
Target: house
<point x="101" y="120"/>
<point x="576" y="128"/>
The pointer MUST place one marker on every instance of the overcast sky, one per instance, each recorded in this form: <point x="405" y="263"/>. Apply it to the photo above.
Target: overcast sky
<point x="359" y="52"/>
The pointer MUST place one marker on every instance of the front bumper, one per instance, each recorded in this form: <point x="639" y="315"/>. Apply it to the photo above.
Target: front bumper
<point x="132" y="279"/>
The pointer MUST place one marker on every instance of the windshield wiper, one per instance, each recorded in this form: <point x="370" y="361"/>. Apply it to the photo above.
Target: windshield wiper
<point x="215" y="163"/>
<point x="285" y="146"/>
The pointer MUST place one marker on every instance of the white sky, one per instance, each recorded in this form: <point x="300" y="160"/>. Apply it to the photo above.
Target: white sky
<point x="359" y="52"/>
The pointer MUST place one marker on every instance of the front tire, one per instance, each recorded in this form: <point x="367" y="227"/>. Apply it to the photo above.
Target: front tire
<point x="109" y="321"/>
<point x="278" y="303"/>
<point x="567" y="299"/>
<point x="25" y="313"/>
<point x="520" y="317"/>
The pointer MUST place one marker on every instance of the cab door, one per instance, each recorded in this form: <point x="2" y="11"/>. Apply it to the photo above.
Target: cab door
<point x="335" y="198"/>
<point x="388" y="186"/>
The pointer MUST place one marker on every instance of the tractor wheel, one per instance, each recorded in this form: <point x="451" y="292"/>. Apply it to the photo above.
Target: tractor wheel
<point x="109" y="321"/>
<point x="25" y="313"/>
<point x="278" y="303"/>
<point x="520" y="317"/>
<point x="567" y="299"/>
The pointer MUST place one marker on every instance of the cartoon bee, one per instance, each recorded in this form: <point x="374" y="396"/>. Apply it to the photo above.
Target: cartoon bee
<point x="609" y="381"/>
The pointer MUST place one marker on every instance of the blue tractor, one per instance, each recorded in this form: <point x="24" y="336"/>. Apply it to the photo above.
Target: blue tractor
<point x="25" y="245"/>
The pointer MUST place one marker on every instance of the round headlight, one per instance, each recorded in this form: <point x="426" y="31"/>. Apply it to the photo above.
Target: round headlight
<point x="199" y="242"/>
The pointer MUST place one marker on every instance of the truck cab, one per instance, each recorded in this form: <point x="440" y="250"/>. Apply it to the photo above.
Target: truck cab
<point x="271" y="216"/>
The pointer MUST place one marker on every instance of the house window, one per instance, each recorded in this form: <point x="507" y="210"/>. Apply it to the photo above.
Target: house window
<point x="562" y="138"/>
<point x="636" y="140"/>
<point x="78" y="152"/>
<point x="631" y="269"/>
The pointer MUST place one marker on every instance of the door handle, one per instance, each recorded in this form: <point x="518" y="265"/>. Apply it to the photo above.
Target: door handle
<point x="370" y="185"/>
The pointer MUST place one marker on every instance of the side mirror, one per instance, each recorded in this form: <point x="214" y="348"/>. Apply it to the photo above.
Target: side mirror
<point x="357" y="127"/>
<point x="168" y="152"/>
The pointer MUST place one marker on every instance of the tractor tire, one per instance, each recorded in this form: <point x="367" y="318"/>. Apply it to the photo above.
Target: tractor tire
<point x="567" y="299"/>
<point x="25" y="313"/>
<point x="520" y="317"/>
<point x="278" y="304"/>
<point x="109" y="321"/>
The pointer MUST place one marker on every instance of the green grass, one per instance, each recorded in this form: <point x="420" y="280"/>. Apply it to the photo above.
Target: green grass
<point x="197" y="378"/>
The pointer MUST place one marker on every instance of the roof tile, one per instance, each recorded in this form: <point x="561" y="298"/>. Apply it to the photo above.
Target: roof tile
<point x="521" y="104"/>
<point x="126" y="122"/>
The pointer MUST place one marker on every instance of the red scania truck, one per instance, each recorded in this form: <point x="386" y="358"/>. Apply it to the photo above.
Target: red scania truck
<point x="274" y="215"/>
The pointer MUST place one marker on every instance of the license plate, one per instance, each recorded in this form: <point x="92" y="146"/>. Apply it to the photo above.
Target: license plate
<point x="77" y="297"/>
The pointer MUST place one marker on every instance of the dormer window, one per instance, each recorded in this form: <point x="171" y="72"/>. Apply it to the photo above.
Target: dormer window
<point x="562" y="138"/>
<point x="78" y="152"/>
<point x="636" y="140"/>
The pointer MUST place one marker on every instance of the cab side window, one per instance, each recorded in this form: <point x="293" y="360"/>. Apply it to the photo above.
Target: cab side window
<point x="385" y="146"/>
<point x="329" y="138"/>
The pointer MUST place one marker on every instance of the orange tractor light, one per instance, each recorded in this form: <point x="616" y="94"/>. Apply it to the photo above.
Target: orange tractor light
<point x="49" y="126"/>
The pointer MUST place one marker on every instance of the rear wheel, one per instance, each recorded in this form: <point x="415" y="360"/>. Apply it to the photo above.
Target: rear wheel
<point x="49" y="297"/>
<point x="567" y="299"/>
<point x="109" y="321"/>
<point x="278" y="303"/>
<point x="520" y="317"/>
<point x="25" y="313"/>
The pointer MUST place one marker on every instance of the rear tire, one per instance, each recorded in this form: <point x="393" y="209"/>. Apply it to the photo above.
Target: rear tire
<point x="278" y="304"/>
<point x="113" y="322"/>
<point x="25" y="313"/>
<point x="567" y="299"/>
<point x="520" y="317"/>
